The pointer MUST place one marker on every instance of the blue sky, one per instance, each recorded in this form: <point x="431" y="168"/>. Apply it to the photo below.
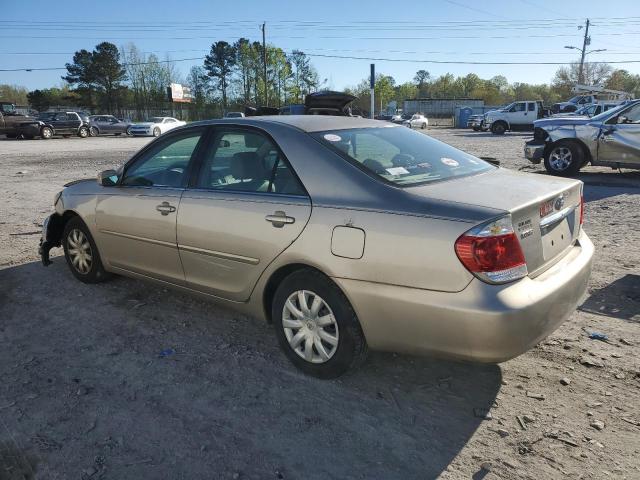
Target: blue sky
<point x="437" y="30"/>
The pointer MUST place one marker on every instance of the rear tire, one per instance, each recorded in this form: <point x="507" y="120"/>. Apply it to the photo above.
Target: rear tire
<point x="129" y="132"/>
<point x="498" y="128"/>
<point x="83" y="132"/>
<point x="46" y="133"/>
<point x="423" y="126"/>
<point x="81" y="253"/>
<point x="564" y="159"/>
<point x="330" y="341"/>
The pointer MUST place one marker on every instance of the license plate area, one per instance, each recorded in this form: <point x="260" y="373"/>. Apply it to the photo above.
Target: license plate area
<point x="556" y="238"/>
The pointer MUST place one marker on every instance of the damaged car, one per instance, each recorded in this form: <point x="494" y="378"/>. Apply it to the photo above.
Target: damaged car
<point x="345" y="234"/>
<point x="566" y="144"/>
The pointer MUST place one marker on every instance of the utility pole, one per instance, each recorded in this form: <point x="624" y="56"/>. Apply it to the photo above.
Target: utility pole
<point x="372" y="85"/>
<point x="585" y="43"/>
<point x="264" y="65"/>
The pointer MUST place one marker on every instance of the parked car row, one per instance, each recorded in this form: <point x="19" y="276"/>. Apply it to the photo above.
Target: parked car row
<point x="76" y="123"/>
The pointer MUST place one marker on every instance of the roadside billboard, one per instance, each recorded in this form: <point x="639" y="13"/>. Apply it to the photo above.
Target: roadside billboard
<point x="179" y="93"/>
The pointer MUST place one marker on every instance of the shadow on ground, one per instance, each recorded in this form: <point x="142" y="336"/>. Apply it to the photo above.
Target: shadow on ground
<point x="620" y="299"/>
<point x="85" y="389"/>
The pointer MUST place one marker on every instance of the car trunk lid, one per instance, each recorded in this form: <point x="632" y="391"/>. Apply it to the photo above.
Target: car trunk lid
<point x="545" y="210"/>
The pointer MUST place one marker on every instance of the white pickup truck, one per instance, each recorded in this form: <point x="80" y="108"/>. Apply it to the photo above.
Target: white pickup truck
<point x="518" y="115"/>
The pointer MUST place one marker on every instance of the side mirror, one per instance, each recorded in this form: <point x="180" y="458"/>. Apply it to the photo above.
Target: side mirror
<point x="622" y="119"/>
<point x="108" y="178"/>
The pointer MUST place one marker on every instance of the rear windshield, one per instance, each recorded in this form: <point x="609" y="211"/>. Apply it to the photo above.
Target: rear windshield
<point x="400" y="155"/>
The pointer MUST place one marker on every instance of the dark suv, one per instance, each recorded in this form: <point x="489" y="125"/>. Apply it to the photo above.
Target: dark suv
<point x="64" y="123"/>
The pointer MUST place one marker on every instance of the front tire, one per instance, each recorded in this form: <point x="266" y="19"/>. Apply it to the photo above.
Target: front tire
<point x="156" y="132"/>
<point x="83" y="132"/>
<point x="316" y="326"/>
<point x="498" y="128"/>
<point x="94" y="132"/>
<point x="564" y="159"/>
<point x="129" y="132"/>
<point x="81" y="253"/>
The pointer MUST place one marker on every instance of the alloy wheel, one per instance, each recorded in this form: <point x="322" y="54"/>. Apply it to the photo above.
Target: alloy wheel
<point x="79" y="250"/>
<point x="560" y="158"/>
<point x="310" y="326"/>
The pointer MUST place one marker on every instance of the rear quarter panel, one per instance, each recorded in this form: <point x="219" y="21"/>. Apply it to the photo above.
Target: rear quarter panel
<point x="403" y="250"/>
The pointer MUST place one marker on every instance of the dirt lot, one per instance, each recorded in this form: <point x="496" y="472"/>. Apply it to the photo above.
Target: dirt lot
<point x="86" y="394"/>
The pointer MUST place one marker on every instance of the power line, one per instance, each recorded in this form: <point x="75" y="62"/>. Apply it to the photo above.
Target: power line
<point x="347" y="57"/>
<point x="333" y="37"/>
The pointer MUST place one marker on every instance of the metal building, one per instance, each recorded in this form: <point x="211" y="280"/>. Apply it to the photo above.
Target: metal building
<point x="439" y="107"/>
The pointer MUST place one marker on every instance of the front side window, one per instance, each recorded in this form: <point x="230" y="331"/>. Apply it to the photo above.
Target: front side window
<point x="632" y="115"/>
<point x="400" y="155"/>
<point x="164" y="164"/>
<point x="519" y="107"/>
<point x="247" y="161"/>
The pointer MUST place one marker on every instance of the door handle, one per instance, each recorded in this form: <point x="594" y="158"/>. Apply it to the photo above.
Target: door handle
<point x="279" y="219"/>
<point x="165" y="208"/>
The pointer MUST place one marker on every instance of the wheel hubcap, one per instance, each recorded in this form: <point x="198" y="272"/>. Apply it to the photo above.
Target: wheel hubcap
<point x="79" y="250"/>
<point x="310" y="326"/>
<point x="560" y="158"/>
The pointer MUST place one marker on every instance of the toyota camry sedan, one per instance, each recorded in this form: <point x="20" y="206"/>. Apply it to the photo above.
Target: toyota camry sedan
<point x="346" y="234"/>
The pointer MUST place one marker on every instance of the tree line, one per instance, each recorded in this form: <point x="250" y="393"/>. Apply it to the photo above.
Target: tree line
<point x="233" y="75"/>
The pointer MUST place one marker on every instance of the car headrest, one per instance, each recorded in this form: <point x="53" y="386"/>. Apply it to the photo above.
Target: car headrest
<point x="374" y="165"/>
<point x="246" y="165"/>
<point x="401" y="160"/>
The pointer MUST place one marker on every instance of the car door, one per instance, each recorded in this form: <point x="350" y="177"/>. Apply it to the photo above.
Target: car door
<point x="73" y="122"/>
<point x="105" y="125"/>
<point x="61" y="123"/>
<point x="245" y="207"/>
<point x="620" y="142"/>
<point x="136" y="219"/>
<point x="519" y="114"/>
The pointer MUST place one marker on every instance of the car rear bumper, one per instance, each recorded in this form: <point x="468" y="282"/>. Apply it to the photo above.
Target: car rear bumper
<point x="485" y="323"/>
<point x="534" y="151"/>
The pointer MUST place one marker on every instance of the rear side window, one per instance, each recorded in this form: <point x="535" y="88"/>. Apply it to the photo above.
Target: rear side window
<point x="401" y="156"/>
<point x="247" y="161"/>
<point x="531" y="106"/>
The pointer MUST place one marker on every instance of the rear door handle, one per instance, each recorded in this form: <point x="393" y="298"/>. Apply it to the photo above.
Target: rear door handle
<point x="279" y="219"/>
<point x="165" y="208"/>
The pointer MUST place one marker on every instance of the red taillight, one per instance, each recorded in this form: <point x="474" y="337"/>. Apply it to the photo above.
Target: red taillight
<point x="492" y="252"/>
<point x="581" y="209"/>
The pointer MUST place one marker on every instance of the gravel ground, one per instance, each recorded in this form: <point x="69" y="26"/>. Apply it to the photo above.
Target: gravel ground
<point x="86" y="394"/>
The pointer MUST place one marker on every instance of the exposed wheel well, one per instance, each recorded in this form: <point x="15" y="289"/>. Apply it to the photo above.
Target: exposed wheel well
<point x="275" y="280"/>
<point x="579" y="143"/>
<point x="57" y="228"/>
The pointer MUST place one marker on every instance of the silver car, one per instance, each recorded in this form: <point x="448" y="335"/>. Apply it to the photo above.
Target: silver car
<point x="346" y="234"/>
<point x="566" y="144"/>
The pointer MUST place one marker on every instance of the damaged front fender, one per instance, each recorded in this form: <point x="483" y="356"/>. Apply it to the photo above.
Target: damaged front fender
<point x="52" y="229"/>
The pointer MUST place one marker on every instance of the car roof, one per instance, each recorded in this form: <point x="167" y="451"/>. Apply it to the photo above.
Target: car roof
<point x="308" y="123"/>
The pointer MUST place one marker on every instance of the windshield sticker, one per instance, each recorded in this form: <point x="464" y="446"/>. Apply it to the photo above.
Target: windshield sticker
<point x="449" y="162"/>
<point x="332" y="137"/>
<point x="397" y="171"/>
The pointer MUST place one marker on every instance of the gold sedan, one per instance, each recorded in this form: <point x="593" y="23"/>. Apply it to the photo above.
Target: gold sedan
<point x="345" y="233"/>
